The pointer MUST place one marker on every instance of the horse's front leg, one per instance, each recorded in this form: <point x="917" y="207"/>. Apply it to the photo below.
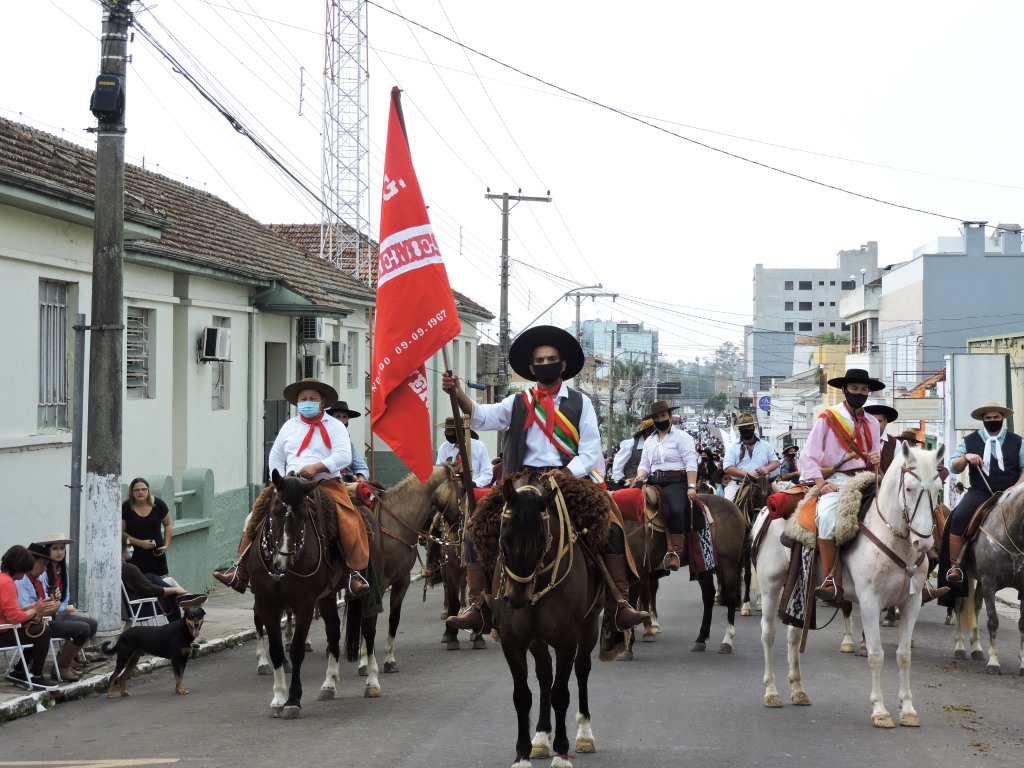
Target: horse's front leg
<point x="707" y="591"/>
<point x="748" y="569"/>
<point x="394" y="618"/>
<point x="541" y="745"/>
<point x="869" y="611"/>
<point x="908" y="620"/>
<point x="590" y="632"/>
<point x="846" y="646"/>
<point x="369" y="631"/>
<point x="1020" y="629"/>
<point x="332" y="625"/>
<point x="522" y="699"/>
<point x="297" y="653"/>
<point x="276" y="648"/>
<point x="993" y="625"/>
<point x="565" y="657"/>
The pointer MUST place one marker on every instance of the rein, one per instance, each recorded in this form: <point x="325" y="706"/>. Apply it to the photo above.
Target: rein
<point x="268" y="543"/>
<point x="566" y="539"/>
<point x="380" y="503"/>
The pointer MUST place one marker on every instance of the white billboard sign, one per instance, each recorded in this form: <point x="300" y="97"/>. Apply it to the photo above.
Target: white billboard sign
<point x="919" y="408"/>
<point x="976" y="379"/>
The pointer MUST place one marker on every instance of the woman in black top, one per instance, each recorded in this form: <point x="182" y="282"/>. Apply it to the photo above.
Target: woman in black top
<point x="147" y="522"/>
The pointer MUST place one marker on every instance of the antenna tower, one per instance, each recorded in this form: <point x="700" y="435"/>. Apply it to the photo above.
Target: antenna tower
<point x="344" y="172"/>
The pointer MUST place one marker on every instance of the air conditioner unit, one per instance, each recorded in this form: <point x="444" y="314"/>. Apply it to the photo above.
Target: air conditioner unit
<point x="311" y="330"/>
<point x="338" y="354"/>
<point x="215" y="344"/>
<point x="312" y="366"/>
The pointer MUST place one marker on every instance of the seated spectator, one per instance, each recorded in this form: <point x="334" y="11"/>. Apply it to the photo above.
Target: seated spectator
<point x="139" y="585"/>
<point x="55" y="579"/>
<point x="16" y="562"/>
<point x="74" y="633"/>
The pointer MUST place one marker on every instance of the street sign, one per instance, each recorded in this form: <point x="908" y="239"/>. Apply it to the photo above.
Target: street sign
<point x="765" y="403"/>
<point x="670" y="387"/>
<point x="919" y="408"/>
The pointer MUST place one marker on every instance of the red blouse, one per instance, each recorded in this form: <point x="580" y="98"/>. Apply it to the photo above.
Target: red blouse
<point x="10" y="613"/>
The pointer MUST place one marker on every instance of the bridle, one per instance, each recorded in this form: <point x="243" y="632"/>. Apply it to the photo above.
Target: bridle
<point x="566" y="539"/>
<point x="379" y="499"/>
<point x="269" y="548"/>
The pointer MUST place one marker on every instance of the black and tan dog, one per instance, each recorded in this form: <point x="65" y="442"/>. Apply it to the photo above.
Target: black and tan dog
<point x="172" y="641"/>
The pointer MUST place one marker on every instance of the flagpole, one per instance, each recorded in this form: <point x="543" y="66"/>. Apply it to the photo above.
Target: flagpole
<point x="460" y="438"/>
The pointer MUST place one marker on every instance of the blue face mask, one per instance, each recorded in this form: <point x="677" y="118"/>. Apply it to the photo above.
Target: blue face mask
<point x="309" y="409"/>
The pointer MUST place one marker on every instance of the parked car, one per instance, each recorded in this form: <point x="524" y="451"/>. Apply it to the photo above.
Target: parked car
<point x="721" y="421"/>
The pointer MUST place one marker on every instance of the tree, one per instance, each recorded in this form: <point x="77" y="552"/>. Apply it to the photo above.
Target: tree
<point x="719" y="402"/>
<point x="833" y="338"/>
<point x="727" y="357"/>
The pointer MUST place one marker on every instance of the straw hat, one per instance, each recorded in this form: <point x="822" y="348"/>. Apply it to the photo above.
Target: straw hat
<point x="991" y="405"/>
<point x="746" y="420"/>
<point x="520" y="354"/>
<point x="327" y="392"/>
<point x="449" y="424"/>
<point x="644" y="426"/>
<point x="55" y="538"/>
<point x="856" y="376"/>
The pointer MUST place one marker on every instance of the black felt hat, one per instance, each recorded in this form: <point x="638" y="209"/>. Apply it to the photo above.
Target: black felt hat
<point x="856" y="376"/>
<point x="520" y="354"/>
<point x="342" y="407"/>
<point x="890" y="413"/>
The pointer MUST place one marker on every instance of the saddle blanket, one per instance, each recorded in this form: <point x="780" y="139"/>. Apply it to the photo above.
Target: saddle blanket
<point x="630" y="502"/>
<point x="782" y="504"/>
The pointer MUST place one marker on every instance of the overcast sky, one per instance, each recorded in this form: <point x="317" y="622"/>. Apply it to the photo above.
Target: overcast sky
<point x="912" y="102"/>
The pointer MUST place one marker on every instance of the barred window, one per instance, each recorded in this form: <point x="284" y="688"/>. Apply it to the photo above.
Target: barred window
<point x="52" y="412"/>
<point x="138" y="322"/>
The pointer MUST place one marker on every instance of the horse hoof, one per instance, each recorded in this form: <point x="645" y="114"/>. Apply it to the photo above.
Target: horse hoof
<point x="888" y="622"/>
<point x="725" y="648"/>
<point x="846" y="648"/>
<point x="626" y="655"/>
<point x="773" y="700"/>
<point x="275" y="711"/>
<point x="745" y="610"/>
<point x="585" y="745"/>
<point x="993" y="670"/>
<point x="977" y="655"/>
<point x="291" y="712"/>
<point x="698" y="647"/>
<point x="479" y="643"/>
<point x="882" y="721"/>
<point x="309" y="647"/>
<point x="960" y="655"/>
<point x="264" y="669"/>
<point x="648" y="638"/>
<point x="326" y="694"/>
<point x="799" y="698"/>
<point x="390" y="666"/>
<point x="757" y="606"/>
<point x="863" y="652"/>
<point x="949" y="619"/>
<point x="362" y="670"/>
<point x="910" y="720"/>
<point x="540" y="751"/>
<point x="446" y="638"/>
<point x="371" y="692"/>
<point x="444" y="615"/>
<point x="561" y="761"/>
<point x="453" y="645"/>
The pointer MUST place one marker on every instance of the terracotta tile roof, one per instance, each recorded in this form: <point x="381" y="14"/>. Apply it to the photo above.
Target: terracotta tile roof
<point x="200" y="228"/>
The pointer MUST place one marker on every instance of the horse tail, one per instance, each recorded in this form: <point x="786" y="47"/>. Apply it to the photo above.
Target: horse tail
<point x="353" y="628"/>
<point x="968" y="612"/>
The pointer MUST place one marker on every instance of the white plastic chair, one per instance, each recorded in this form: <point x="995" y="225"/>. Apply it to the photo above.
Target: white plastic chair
<point x="135" y="609"/>
<point x="17" y="662"/>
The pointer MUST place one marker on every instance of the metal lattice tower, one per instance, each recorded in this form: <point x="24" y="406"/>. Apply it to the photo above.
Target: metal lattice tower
<point x="344" y="172"/>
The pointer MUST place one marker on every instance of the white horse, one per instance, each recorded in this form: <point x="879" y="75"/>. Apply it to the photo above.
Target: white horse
<point x="886" y="564"/>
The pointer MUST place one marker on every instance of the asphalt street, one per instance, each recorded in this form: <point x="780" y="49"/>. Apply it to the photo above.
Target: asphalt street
<point x="668" y="707"/>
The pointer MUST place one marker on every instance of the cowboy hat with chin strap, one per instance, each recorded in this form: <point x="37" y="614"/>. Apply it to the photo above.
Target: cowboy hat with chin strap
<point x="856" y="376"/>
<point x="991" y="405"/>
<point x="520" y="354"/>
<point x="327" y="392"/>
<point x="890" y="413"/>
<point x="55" y="538"/>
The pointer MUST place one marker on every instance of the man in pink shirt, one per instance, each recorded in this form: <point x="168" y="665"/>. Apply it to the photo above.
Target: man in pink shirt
<point x="846" y="439"/>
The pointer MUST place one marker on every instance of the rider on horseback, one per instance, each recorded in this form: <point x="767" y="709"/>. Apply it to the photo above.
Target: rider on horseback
<point x="550" y="427"/>
<point x="314" y="448"/>
<point x="995" y="460"/>
<point x="750" y="458"/>
<point x="844" y="438"/>
<point x="627" y="458"/>
<point x="669" y="462"/>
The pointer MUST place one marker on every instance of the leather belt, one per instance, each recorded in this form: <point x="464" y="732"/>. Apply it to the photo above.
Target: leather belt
<point x="669" y="473"/>
<point x="542" y="469"/>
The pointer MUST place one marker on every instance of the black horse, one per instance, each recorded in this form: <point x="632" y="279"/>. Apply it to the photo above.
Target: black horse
<point x="292" y="567"/>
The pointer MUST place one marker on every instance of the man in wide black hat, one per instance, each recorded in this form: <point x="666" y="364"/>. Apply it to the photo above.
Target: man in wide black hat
<point x="550" y="426"/>
<point x="844" y="439"/>
<point x="886" y="415"/>
<point x="357" y="468"/>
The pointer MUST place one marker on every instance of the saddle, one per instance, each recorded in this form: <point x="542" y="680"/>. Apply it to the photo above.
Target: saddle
<point x="980" y="514"/>
<point x="855" y="498"/>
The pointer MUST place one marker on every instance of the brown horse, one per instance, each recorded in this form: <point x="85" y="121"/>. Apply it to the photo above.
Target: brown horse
<point x="402" y="513"/>
<point x="751" y="498"/>
<point x="548" y="595"/>
<point x="291" y="568"/>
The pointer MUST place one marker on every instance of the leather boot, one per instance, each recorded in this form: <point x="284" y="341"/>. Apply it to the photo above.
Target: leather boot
<point x="831" y="589"/>
<point x="67" y="652"/>
<point x="676" y="544"/>
<point x="471" y="619"/>
<point x="625" y="616"/>
<point x="955" y="574"/>
<point x="237" y="576"/>
<point x="929" y="593"/>
<point x="358" y="586"/>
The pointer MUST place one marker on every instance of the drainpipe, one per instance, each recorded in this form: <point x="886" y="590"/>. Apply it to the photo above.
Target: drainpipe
<point x="249" y="406"/>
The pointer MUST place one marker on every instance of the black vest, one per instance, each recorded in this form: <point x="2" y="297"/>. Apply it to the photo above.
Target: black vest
<point x="515" y="437"/>
<point x="634" y="459"/>
<point x="998" y="479"/>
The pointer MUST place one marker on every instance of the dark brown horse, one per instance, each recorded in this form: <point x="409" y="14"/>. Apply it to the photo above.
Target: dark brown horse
<point x="750" y="498"/>
<point x="292" y="567"/>
<point x="549" y="595"/>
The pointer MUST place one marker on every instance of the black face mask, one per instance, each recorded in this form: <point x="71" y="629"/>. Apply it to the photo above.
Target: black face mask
<point x="450" y="437"/>
<point x="856" y="401"/>
<point x="548" y="373"/>
<point x="663" y="426"/>
<point x="994" y="427"/>
<point x="746" y="434"/>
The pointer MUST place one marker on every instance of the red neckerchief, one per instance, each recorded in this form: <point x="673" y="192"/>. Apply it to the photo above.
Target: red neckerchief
<point x="743" y="450"/>
<point x="860" y="429"/>
<point x="309" y="435"/>
<point x="544" y="396"/>
<point x="38" y="585"/>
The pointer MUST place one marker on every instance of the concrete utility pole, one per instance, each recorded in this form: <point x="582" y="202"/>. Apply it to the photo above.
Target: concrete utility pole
<point x="101" y="551"/>
<point x="579" y="296"/>
<point x="501" y="389"/>
<point x="611" y="397"/>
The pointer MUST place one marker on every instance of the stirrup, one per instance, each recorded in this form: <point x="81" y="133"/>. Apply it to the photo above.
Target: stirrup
<point x="357" y="590"/>
<point x="829" y="592"/>
<point x="955" y="574"/>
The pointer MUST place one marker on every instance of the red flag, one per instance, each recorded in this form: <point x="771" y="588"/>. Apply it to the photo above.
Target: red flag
<point x="416" y="313"/>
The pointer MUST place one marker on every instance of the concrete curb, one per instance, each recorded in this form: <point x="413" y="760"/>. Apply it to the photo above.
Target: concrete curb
<point x="31" y="703"/>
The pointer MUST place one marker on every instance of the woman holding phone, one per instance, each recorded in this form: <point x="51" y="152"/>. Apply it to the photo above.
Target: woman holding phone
<point x="147" y="522"/>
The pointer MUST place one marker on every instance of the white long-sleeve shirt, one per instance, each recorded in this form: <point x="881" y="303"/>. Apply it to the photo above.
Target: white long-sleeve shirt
<point x="539" y="450"/>
<point x="283" y="456"/>
<point x="676" y="451"/>
<point x="622" y="458"/>
<point x="483" y="472"/>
